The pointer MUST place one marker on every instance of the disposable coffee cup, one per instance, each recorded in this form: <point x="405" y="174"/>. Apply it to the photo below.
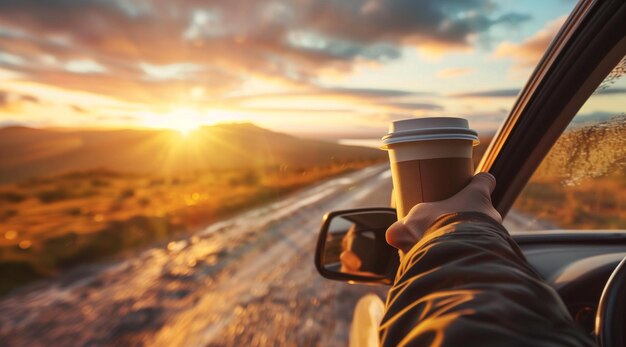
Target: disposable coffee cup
<point x="431" y="159"/>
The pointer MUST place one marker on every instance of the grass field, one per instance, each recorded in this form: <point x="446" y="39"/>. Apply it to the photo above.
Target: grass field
<point x="48" y="224"/>
<point x="581" y="184"/>
<point x="592" y="204"/>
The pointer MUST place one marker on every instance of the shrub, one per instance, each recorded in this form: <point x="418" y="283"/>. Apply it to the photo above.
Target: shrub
<point x="248" y="178"/>
<point x="74" y="211"/>
<point x="98" y="182"/>
<point x="127" y="193"/>
<point x="116" y="207"/>
<point x="8" y="213"/>
<point x="53" y="195"/>
<point x="13" y="197"/>
<point x="156" y="182"/>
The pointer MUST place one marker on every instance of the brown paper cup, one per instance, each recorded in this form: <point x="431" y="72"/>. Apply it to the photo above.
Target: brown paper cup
<point x="431" y="159"/>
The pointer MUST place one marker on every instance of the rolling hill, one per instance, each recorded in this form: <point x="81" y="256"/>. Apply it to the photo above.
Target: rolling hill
<point x="28" y="152"/>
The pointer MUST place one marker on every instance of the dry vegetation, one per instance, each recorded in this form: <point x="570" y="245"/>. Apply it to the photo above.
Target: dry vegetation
<point x="55" y="222"/>
<point x="582" y="182"/>
<point x="597" y="204"/>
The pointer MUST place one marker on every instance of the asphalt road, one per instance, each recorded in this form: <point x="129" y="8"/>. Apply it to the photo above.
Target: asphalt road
<point x="245" y="281"/>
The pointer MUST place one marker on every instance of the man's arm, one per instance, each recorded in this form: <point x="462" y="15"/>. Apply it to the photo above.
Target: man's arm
<point x="467" y="284"/>
<point x="464" y="282"/>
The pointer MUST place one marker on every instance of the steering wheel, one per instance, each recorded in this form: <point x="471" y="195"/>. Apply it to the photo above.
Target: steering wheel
<point x="610" y="322"/>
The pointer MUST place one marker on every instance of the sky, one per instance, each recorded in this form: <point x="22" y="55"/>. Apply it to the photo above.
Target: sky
<point x="317" y="68"/>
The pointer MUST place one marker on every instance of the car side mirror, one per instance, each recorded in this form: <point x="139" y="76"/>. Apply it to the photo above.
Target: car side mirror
<point x="352" y="246"/>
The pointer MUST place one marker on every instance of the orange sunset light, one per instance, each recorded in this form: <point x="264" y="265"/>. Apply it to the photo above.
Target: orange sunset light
<point x="187" y="120"/>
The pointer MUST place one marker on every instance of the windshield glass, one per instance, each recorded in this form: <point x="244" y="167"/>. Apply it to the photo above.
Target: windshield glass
<point x="164" y="165"/>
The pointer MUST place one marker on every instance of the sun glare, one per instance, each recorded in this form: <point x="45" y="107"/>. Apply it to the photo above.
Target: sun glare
<point x="186" y="121"/>
<point x="183" y="127"/>
<point x="183" y="121"/>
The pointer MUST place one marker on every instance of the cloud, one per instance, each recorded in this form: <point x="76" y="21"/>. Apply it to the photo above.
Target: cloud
<point x="414" y="106"/>
<point x="4" y="98"/>
<point x="496" y="93"/>
<point x="360" y="99"/>
<point x="341" y="48"/>
<point x="609" y="90"/>
<point x="594" y="117"/>
<point x="445" y="23"/>
<point x="455" y="72"/>
<point x="486" y="123"/>
<point x="363" y="94"/>
<point x="527" y="53"/>
<point x="219" y="44"/>
<point x="78" y="109"/>
<point x="154" y="56"/>
<point x="10" y="99"/>
<point x="370" y="92"/>
<point x="297" y="111"/>
<point x="84" y="66"/>
<point x="10" y="59"/>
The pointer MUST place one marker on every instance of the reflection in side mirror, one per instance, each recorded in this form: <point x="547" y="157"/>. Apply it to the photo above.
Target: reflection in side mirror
<point x="352" y="246"/>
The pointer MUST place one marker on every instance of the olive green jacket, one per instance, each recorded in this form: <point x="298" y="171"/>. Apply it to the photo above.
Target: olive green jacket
<point x="466" y="283"/>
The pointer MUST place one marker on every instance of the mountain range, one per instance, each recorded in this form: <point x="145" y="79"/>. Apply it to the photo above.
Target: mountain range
<point x="29" y="152"/>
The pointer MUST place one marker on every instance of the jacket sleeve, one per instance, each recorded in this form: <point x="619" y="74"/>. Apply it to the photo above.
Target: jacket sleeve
<point x="466" y="283"/>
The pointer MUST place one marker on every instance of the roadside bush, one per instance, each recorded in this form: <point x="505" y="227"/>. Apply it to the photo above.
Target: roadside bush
<point x="116" y="207"/>
<point x="156" y="182"/>
<point x="98" y="182"/>
<point x="63" y="193"/>
<point x="8" y="213"/>
<point x="74" y="211"/>
<point x="251" y="178"/>
<point x="127" y="193"/>
<point x="248" y="178"/>
<point x="13" y="197"/>
<point x="53" y="195"/>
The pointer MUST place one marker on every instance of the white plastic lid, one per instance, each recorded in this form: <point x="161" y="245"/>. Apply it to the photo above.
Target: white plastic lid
<point x="429" y="129"/>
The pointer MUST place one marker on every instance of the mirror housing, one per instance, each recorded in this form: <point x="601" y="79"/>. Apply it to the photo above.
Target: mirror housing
<point x="352" y="247"/>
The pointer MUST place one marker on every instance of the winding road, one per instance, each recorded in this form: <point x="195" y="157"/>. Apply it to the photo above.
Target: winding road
<point x="245" y="281"/>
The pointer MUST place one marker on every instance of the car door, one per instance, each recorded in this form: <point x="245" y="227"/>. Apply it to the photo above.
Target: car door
<point x="589" y="45"/>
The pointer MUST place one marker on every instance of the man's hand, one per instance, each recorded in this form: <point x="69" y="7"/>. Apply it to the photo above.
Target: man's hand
<point x="475" y="197"/>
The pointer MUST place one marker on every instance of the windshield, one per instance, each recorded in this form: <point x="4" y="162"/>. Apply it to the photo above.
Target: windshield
<point x="164" y="166"/>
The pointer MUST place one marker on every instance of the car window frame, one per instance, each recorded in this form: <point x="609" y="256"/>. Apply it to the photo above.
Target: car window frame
<point x="590" y="44"/>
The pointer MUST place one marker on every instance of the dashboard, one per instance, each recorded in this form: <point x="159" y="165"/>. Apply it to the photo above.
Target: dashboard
<point x="577" y="264"/>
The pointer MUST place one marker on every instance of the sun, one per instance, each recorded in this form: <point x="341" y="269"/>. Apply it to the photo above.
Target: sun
<point x="183" y="121"/>
<point x="184" y="127"/>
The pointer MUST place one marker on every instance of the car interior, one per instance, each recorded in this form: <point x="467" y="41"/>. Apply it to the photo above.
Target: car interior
<point x="549" y="136"/>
